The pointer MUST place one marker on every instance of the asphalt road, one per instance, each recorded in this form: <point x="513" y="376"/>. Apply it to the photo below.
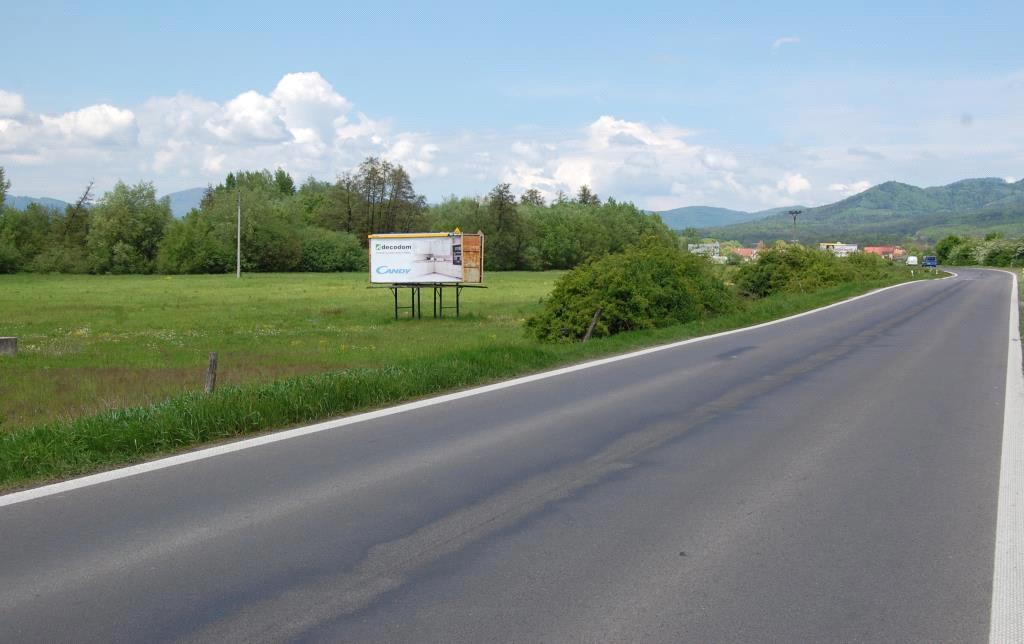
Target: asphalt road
<point x="830" y="478"/>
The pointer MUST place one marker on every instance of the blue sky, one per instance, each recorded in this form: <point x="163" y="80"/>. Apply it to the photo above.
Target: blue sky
<point x="742" y="105"/>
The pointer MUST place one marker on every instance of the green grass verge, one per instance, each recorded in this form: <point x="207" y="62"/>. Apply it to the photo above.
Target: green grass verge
<point x="1020" y="301"/>
<point x="121" y="436"/>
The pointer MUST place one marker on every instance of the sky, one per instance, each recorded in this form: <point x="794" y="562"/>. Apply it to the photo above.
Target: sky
<point x="740" y="105"/>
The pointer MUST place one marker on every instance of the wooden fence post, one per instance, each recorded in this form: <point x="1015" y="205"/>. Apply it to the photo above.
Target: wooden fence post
<point x="211" y="373"/>
<point x="593" y="323"/>
<point x="8" y="346"/>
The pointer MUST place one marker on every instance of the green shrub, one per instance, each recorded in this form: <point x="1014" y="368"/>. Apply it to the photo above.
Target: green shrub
<point x="866" y="266"/>
<point x="196" y="244"/>
<point x="652" y="284"/>
<point x="945" y="246"/>
<point x="10" y="258"/>
<point x="791" y="269"/>
<point x="60" y="259"/>
<point x="798" y="269"/>
<point x="964" y="253"/>
<point x="995" y="251"/>
<point x="325" y="251"/>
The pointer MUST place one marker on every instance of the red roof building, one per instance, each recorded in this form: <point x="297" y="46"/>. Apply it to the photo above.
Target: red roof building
<point x="888" y="252"/>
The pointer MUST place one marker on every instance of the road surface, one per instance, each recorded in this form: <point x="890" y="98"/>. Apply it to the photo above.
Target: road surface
<point x="833" y="477"/>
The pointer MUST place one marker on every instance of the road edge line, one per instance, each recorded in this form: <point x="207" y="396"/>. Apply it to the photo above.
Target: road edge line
<point x="1006" y="620"/>
<point x="248" y="443"/>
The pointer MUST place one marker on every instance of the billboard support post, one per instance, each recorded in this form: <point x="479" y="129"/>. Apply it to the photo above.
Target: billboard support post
<point x="439" y="306"/>
<point x="415" y="307"/>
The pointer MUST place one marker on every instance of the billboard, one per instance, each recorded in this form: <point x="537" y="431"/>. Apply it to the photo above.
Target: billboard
<point x="839" y="249"/>
<point x="426" y="258"/>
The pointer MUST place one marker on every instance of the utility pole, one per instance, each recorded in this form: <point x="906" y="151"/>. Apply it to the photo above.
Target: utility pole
<point x="794" y="213"/>
<point x="238" y="239"/>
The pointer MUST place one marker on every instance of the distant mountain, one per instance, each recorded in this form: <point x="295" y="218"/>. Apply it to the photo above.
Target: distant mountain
<point x="185" y="200"/>
<point x="709" y="216"/>
<point x="702" y="217"/>
<point x="181" y="201"/>
<point x="893" y="212"/>
<point x="21" y="203"/>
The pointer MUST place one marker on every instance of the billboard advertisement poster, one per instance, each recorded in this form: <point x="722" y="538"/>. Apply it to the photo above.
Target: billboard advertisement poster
<point x="427" y="258"/>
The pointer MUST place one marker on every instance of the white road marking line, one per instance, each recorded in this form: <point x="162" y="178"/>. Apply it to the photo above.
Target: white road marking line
<point x="210" y="452"/>
<point x="1007" y="617"/>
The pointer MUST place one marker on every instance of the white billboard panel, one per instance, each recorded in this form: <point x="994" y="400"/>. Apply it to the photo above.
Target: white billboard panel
<point x="425" y="259"/>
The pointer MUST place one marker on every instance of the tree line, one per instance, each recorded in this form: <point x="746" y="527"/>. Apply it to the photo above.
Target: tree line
<point x="316" y="226"/>
<point x="993" y="250"/>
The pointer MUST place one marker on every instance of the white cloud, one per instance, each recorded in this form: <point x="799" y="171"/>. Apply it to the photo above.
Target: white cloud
<point x="96" y="124"/>
<point x="250" y="118"/>
<point x="715" y="160"/>
<point x="615" y="157"/>
<point x="850" y="189"/>
<point x="302" y="123"/>
<point x="214" y="162"/>
<point x="524" y="176"/>
<point x="1010" y="179"/>
<point x="793" y="183"/>
<point x="527" y="150"/>
<point x="572" y="172"/>
<point x="310" y="103"/>
<point x="15" y="137"/>
<point x="415" y="152"/>
<point x="363" y="128"/>
<point x="11" y="105"/>
<point x="608" y="130"/>
<point x="785" y="40"/>
<point x="174" y="117"/>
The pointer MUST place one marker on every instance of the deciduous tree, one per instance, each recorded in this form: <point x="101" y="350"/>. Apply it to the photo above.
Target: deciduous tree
<point x="127" y="226"/>
<point x="532" y="197"/>
<point x="586" y="197"/>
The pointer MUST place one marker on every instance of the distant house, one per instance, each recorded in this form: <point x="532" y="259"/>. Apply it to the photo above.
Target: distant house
<point x="888" y="252"/>
<point x="748" y="254"/>
<point x="839" y="249"/>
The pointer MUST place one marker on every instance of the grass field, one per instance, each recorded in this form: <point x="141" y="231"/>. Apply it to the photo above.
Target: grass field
<point x="90" y="343"/>
<point x="110" y="369"/>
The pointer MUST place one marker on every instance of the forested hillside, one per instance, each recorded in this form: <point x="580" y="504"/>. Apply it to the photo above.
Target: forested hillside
<point x="709" y="216"/>
<point x="895" y="212"/>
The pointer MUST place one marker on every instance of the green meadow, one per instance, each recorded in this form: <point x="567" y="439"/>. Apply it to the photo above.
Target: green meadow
<point x="91" y="343"/>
